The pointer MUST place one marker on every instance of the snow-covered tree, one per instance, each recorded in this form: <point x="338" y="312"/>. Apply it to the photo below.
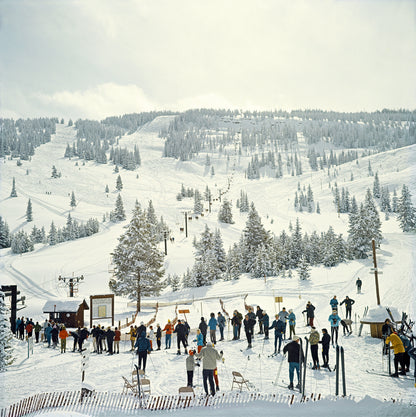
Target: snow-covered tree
<point x="6" y="336"/>
<point x="21" y="243"/>
<point x="119" y="183"/>
<point x="73" y="201"/>
<point x="13" y="192"/>
<point x="52" y="236"/>
<point x="4" y="234"/>
<point x="198" y="205"/>
<point x="376" y="186"/>
<point x="406" y="213"/>
<point x="138" y="263"/>
<point x="219" y="252"/>
<point x="304" y="269"/>
<point x="118" y="214"/>
<point x="372" y="219"/>
<point x="225" y="214"/>
<point x="29" y="213"/>
<point x="54" y="172"/>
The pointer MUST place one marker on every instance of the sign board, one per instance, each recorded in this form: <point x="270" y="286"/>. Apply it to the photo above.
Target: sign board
<point x="102" y="307"/>
<point x="183" y="311"/>
<point x="278" y="299"/>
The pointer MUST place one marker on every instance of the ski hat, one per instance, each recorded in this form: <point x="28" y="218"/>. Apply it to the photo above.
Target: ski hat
<point x="141" y="323"/>
<point x="209" y="344"/>
<point x="295" y="338"/>
<point x="191" y="352"/>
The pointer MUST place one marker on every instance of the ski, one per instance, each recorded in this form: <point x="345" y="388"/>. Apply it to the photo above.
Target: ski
<point x="373" y="372"/>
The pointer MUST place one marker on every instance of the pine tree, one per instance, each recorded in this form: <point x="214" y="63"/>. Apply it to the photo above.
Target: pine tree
<point x="198" y="206"/>
<point x="13" y="193"/>
<point x="219" y="251"/>
<point x="376" y="186"/>
<point x="6" y="336"/>
<point x="296" y="245"/>
<point x="372" y="219"/>
<point x="175" y="282"/>
<point x="138" y="262"/>
<point x="73" y="202"/>
<point x="119" y="183"/>
<point x="29" y="213"/>
<point x="52" y="236"/>
<point x="304" y="269"/>
<point x="225" y="214"/>
<point x="21" y="243"/>
<point x="118" y="214"/>
<point x="406" y="213"/>
<point x="54" y="172"/>
<point x="4" y="234"/>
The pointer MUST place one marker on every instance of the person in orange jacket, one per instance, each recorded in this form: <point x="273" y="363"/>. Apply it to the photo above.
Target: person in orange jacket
<point x="169" y="330"/>
<point x="63" y="334"/>
<point x="397" y="346"/>
<point x="117" y="338"/>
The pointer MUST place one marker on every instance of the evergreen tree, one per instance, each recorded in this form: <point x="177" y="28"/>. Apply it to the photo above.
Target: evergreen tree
<point x="73" y="202"/>
<point x="219" y="252"/>
<point x="6" y="336"/>
<point x="29" y="213"/>
<point x="376" y="186"/>
<point x="406" y="213"/>
<point x="233" y="263"/>
<point x="175" y="282"/>
<point x="118" y="214"/>
<point x="318" y="209"/>
<point x="304" y="269"/>
<point x="54" y="172"/>
<point x="225" y="214"/>
<point x="296" y="245"/>
<point x="52" y="236"/>
<point x="372" y="220"/>
<point x="119" y="183"/>
<point x="4" y="234"/>
<point x="107" y="190"/>
<point x="13" y="193"/>
<point x="395" y="202"/>
<point x="358" y="240"/>
<point x="198" y="206"/>
<point x="21" y="243"/>
<point x="138" y="262"/>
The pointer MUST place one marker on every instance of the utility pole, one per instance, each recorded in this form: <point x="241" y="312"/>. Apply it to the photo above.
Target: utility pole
<point x="186" y="224"/>
<point x="71" y="282"/>
<point x="166" y="244"/>
<point x="210" y="203"/>
<point x="11" y="291"/>
<point x="375" y="270"/>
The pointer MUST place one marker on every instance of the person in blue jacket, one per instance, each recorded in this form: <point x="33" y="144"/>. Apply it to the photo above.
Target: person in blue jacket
<point x="334" y="303"/>
<point x="221" y="324"/>
<point x="265" y="323"/>
<point x="334" y="319"/>
<point x="292" y="323"/>
<point x="279" y="329"/>
<point x="143" y="348"/>
<point x="48" y="334"/>
<point x="212" y="324"/>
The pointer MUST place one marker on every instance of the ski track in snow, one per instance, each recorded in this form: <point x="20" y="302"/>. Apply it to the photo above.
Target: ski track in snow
<point x="160" y="179"/>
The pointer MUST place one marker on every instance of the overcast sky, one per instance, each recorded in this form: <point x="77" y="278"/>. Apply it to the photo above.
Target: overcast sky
<point x="92" y="59"/>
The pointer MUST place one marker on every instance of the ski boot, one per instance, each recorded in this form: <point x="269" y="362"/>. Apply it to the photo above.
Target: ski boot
<point x="178" y="352"/>
<point x="290" y="386"/>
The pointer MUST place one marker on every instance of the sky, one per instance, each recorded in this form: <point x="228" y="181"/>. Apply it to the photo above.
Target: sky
<point x="96" y="58"/>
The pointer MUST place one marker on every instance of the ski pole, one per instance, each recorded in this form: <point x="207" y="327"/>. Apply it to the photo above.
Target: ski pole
<point x="280" y="369"/>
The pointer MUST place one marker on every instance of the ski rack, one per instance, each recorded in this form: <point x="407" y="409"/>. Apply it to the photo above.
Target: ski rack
<point x="362" y="325"/>
<point x="340" y="358"/>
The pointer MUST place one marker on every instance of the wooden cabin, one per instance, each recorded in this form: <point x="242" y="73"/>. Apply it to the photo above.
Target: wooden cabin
<point x="69" y="312"/>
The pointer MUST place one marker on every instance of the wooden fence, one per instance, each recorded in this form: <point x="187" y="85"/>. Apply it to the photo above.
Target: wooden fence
<point x="95" y="403"/>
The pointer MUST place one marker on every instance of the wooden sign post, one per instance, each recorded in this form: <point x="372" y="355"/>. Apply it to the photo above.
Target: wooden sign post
<point x="278" y="300"/>
<point x="184" y="312"/>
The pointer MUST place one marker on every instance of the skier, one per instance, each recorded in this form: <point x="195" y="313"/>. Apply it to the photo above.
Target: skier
<point x="55" y="334"/>
<point x="190" y="366"/>
<point x="236" y="322"/>
<point x="180" y="331"/>
<point x="133" y="335"/>
<point x="294" y="354"/>
<point x="109" y="334"/>
<point x="249" y="324"/>
<point x="203" y="327"/>
<point x="168" y="338"/>
<point x="63" y="334"/>
<point x="101" y="339"/>
<point x="346" y="326"/>
<point x="158" y="336"/>
<point x="313" y="341"/>
<point x="17" y="326"/>
<point x="209" y="357"/>
<point x="279" y="328"/>
<point x="358" y="283"/>
<point x="44" y="326"/>
<point x="283" y="315"/>
<point x="397" y="346"/>
<point x="259" y="314"/>
<point x="334" y="319"/>
<point x="187" y="331"/>
<point x="212" y="324"/>
<point x="151" y="335"/>
<point x="94" y="333"/>
<point x="199" y="340"/>
<point x="38" y="328"/>
<point x="143" y="348"/>
<point x="221" y="325"/>
<point x="21" y="329"/>
<point x="326" y="340"/>
<point x="348" y="305"/>
<point x="292" y="323"/>
<point x="334" y="303"/>
<point x="29" y="329"/>
<point x="83" y="335"/>
<point x="265" y="322"/>
<point x="117" y="337"/>
<point x="141" y="328"/>
<point x="310" y="313"/>
<point x="386" y="331"/>
<point x="73" y="334"/>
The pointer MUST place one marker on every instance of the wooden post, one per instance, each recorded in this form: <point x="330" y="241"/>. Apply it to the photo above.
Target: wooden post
<point x="375" y="270"/>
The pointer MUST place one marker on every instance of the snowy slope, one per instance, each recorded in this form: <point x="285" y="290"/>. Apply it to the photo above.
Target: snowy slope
<point x="160" y="180"/>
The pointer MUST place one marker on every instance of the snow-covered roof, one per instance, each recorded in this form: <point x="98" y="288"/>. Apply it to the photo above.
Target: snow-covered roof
<point x="67" y="306"/>
<point x="379" y="314"/>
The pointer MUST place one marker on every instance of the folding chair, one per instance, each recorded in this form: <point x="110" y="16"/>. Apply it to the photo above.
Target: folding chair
<point x="239" y="380"/>
<point x="129" y="387"/>
<point x="186" y="392"/>
<point x="145" y="385"/>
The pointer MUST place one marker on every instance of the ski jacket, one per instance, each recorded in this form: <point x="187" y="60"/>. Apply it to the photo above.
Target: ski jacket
<point x="283" y="315"/>
<point x="141" y="329"/>
<point x="95" y="331"/>
<point x="117" y="335"/>
<point x="396" y="343"/>
<point x="190" y="363"/>
<point x="249" y="324"/>
<point x="180" y="330"/>
<point x="252" y="316"/>
<point x="406" y="342"/>
<point x="84" y="333"/>
<point x="265" y="320"/>
<point x="221" y="321"/>
<point x="212" y="324"/>
<point x="109" y="334"/>
<point x="278" y="325"/>
<point x="158" y="333"/>
<point x="199" y="339"/>
<point x="48" y="331"/>
<point x="310" y="308"/>
<point x="38" y="328"/>
<point x="142" y="343"/>
<point x="235" y="321"/>
<point x="326" y="340"/>
<point x="386" y="329"/>
<point x="292" y="319"/>
<point x="334" y="303"/>
<point x="168" y="328"/>
<point x="29" y="328"/>
<point x="63" y="334"/>
<point x="334" y="319"/>
<point x="293" y="350"/>
<point x="348" y="302"/>
<point x="132" y="333"/>
<point x="259" y="314"/>
<point x="203" y="327"/>
<point x="358" y="283"/>
<point x="314" y="337"/>
<point x="209" y="357"/>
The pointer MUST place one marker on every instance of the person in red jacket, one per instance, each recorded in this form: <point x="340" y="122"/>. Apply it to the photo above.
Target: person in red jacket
<point x="63" y="334"/>
<point x="29" y="329"/>
<point x="169" y="330"/>
<point x="117" y="338"/>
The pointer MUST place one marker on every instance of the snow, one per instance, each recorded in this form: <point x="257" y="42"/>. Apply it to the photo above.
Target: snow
<point x="70" y="306"/>
<point x="160" y="179"/>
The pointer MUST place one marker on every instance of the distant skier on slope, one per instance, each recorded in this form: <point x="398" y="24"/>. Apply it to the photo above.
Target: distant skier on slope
<point x="358" y="283"/>
<point x="348" y="305"/>
<point x="310" y="313"/>
<point x="334" y="303"/>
